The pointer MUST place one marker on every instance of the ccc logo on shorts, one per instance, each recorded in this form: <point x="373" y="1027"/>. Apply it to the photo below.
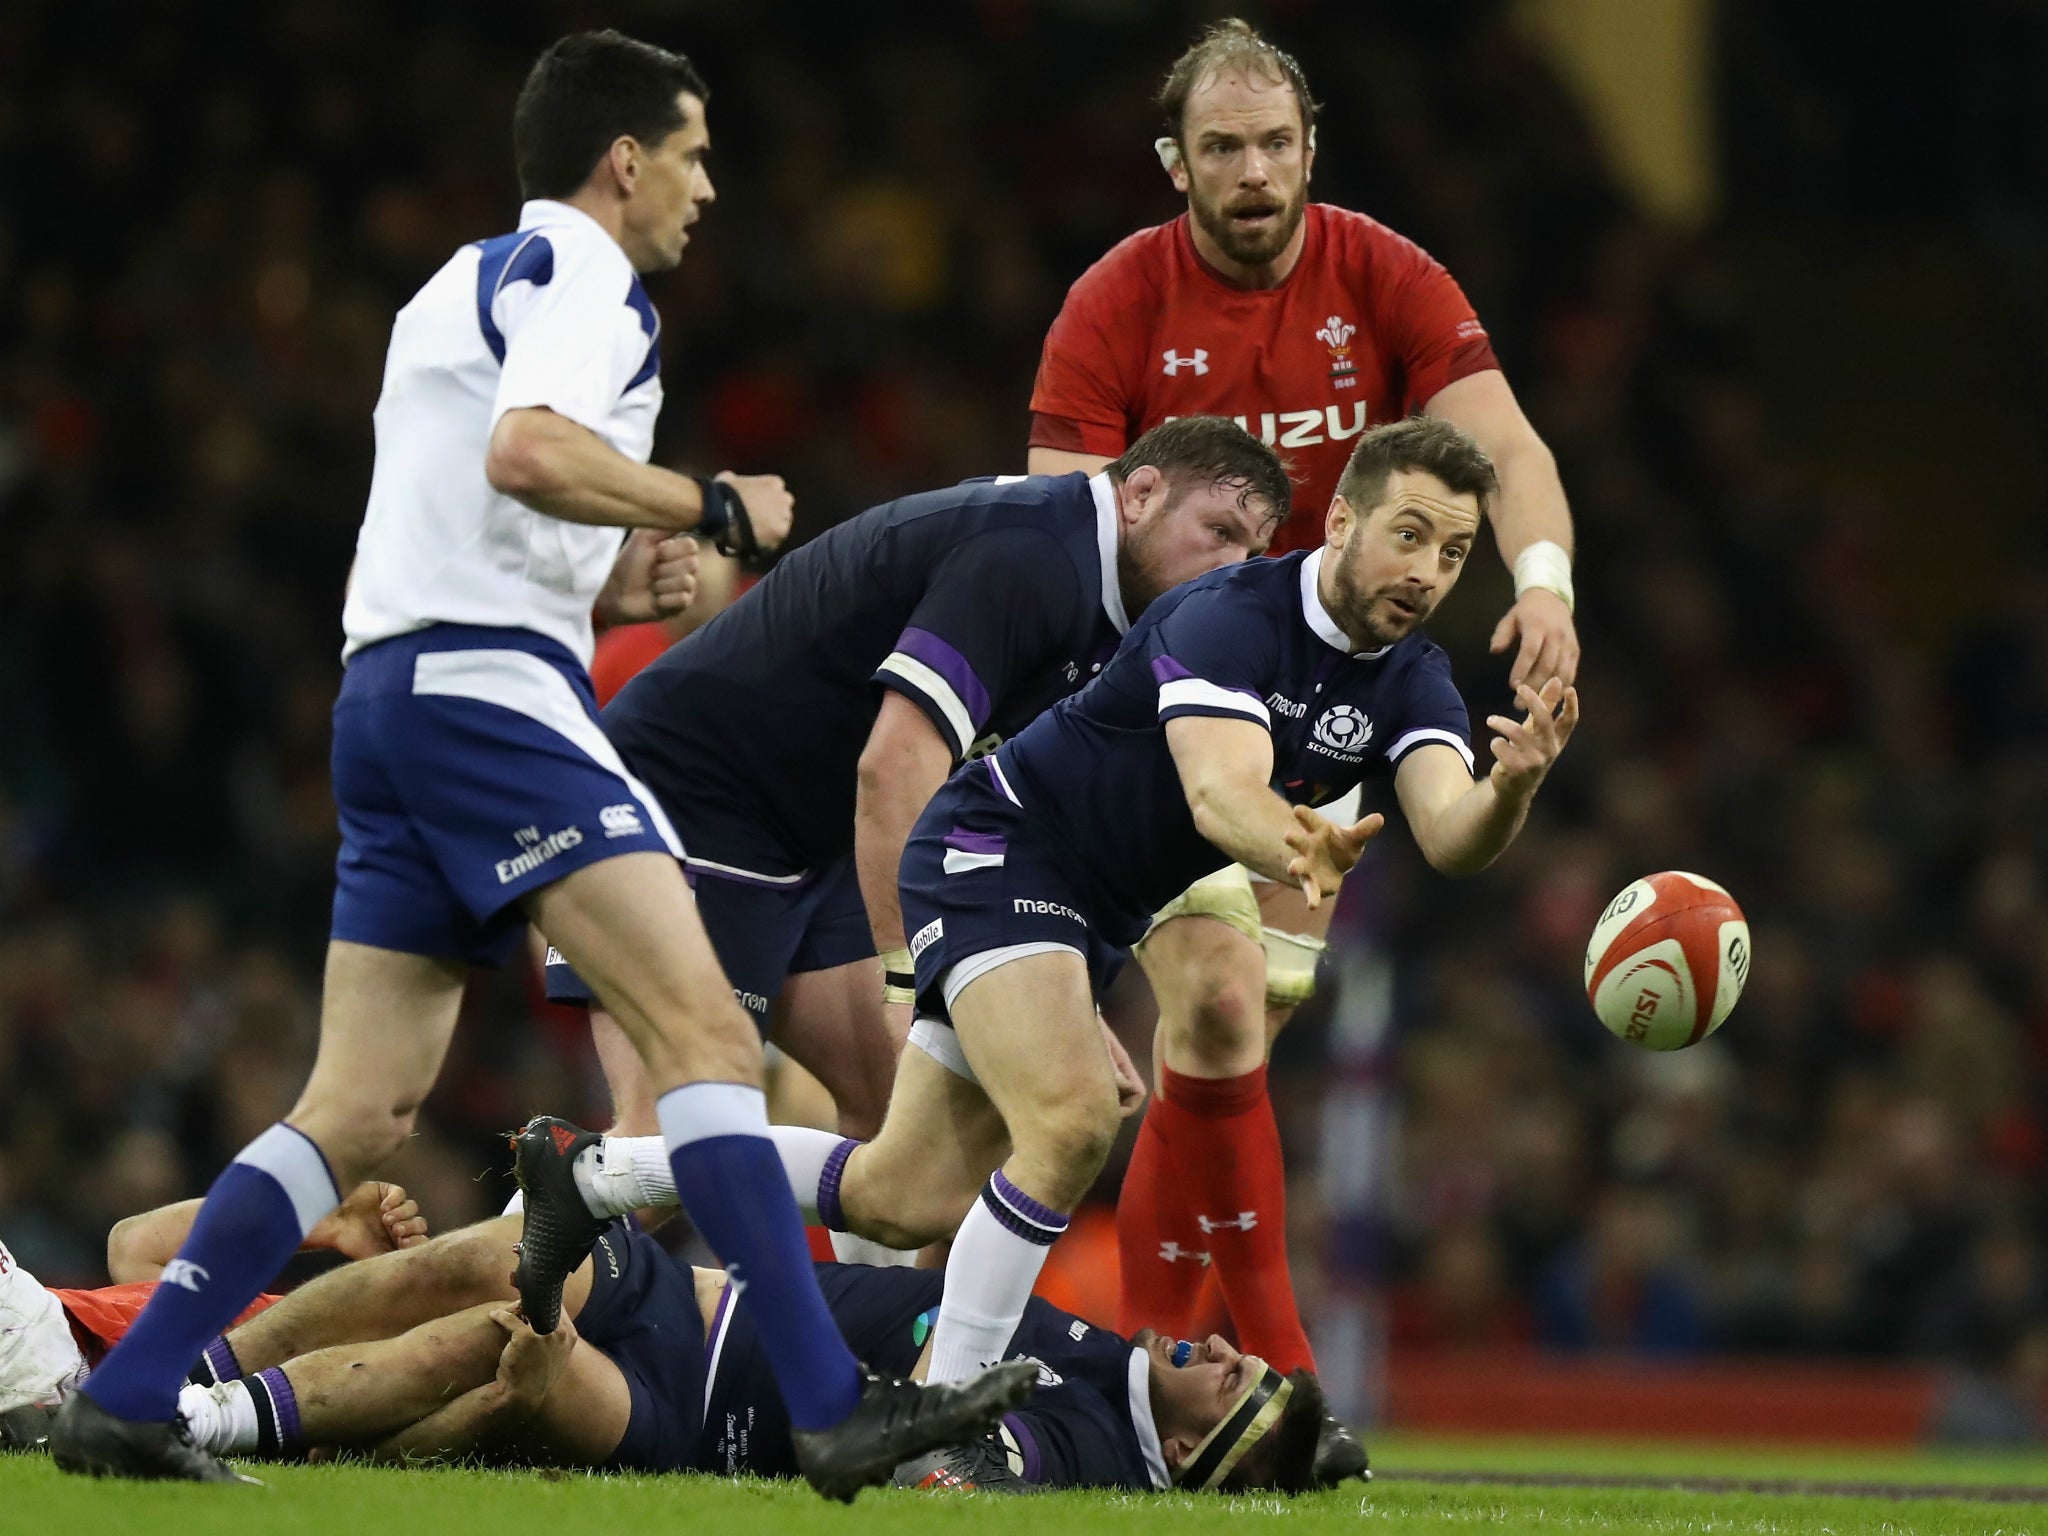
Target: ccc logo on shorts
<point x="621" y="820"/>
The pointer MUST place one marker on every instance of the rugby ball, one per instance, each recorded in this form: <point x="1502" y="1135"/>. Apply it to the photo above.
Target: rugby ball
<point x="1667" y="960"/>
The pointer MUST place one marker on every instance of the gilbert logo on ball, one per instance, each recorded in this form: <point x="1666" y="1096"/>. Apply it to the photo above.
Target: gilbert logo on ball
<point x="1667" y="960"/>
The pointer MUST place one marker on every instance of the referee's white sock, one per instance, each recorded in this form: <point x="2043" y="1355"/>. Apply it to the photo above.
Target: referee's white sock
<point x="989" y="1276"/>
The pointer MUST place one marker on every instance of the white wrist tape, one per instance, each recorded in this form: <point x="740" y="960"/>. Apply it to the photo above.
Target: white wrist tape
<point x="1545" y="564"/>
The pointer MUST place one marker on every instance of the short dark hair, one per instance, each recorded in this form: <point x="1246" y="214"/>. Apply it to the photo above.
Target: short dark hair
<point x="1230" y="44"/>
<point x="586" y="92"/>
<point x="1427" y="444"/>
<point x="1211" y="450"/>
<point x="1284" y="1460"/>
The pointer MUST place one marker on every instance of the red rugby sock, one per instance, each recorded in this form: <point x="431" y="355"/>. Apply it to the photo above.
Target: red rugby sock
<point x="1225" y="1146"/>
<point x="1161" y="1259"/>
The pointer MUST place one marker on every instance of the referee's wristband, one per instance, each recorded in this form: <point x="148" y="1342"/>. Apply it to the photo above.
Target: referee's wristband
<point x="899" y="977"/>
<point x="1545" y="564"/>
<point x="725" y="520"/>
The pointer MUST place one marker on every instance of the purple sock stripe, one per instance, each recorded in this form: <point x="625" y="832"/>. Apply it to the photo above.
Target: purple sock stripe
<point x="830" y="1215"/>
<point x="977" y="842"/>
<point x="922" y="645"/>
<point x="1027" y="1446"/>
<point x="1016" y="1222"/>
<point x="220" y="1359"/>
<point x="285" y="1402"/>
<point x="1038" y="1215"/>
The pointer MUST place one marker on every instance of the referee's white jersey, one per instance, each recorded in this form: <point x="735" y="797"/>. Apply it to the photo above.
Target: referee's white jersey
<point x="552" y="315"/>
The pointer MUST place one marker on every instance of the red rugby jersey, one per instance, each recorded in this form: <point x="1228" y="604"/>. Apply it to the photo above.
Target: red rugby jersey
<point x="100" y="1317"/>
<point x="1366" y="329"/>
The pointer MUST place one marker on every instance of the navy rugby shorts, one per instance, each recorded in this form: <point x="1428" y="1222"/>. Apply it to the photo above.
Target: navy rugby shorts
<point x="979" y="875"/>
<point x="763" y="931"/>
<point x="470" y="769"/>
<point x="642" y="1313"/>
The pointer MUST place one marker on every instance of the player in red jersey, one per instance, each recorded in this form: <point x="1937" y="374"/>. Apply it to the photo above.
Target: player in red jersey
<point x="1308" y="324"/>
<point x="50" y="1337"/>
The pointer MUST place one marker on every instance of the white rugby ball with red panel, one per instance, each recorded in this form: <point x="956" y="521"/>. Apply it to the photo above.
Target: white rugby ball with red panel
<point x="1667" y="960"/>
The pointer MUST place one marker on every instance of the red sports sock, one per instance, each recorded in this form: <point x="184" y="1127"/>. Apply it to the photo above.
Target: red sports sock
<point x="1226" y="1153"/>
<point x="1160" y="1255"/>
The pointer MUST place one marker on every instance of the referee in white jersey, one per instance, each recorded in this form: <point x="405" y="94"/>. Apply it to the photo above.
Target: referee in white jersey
<point x="476" y="789"/>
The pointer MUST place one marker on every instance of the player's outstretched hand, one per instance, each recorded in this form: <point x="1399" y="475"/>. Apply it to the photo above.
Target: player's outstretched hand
<point x="653" y="578"/>
<point x="531" y="1362"/>
<point x="374" y="1219"/>
<point x="770" y="507"/>
<point x="1524" y="749"/>
<point x="1324" y="852"/>
<point x="1130" y="1087"/>
<point x="1546" y="641"/>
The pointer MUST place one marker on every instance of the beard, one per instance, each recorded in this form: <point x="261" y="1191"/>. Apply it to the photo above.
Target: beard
<point x="1253" y="247"/>
<point x="1370" y="617"/>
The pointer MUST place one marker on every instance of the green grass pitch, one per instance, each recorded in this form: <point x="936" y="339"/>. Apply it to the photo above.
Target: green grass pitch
<point x="1661" y="1489"/>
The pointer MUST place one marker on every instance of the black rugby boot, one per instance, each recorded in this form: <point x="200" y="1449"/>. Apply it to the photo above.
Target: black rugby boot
<point x="86" y="1439"/>
<point x="560" y="1231"/>
<point x="898" y="1420"/>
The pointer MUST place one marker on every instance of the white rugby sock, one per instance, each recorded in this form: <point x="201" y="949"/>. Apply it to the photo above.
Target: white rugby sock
<point x="805" y="1152"/>
<point x="852" y="1248"/>
<point x="624" y="1173"/>
<point x="222" y="1418"/>
<point x="995" y="1262"/>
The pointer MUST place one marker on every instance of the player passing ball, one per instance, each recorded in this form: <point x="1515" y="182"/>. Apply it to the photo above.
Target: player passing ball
<point x="1310" y="325"/>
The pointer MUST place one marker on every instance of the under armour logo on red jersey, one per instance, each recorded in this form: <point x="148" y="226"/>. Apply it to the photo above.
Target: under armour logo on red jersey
<point x="1244" y="1221"/>
<point x="1197" y="360"/>
<point x="1173" y="1253"/>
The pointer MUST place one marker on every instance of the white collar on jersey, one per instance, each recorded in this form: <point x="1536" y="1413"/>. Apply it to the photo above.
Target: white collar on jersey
<point x="1318" y="616"/>
<point x="540" y="212"/>
<point x="1106" y="523"/>
<point x="1140" y="1378"/>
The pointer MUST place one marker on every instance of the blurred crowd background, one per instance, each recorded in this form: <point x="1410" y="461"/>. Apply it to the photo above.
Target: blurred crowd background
<point x="1797" y="398"/>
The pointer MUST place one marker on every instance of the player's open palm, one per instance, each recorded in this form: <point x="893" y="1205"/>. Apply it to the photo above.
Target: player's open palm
<point x="1523" y="750"/>
<point x="770" y="507"/>
<point x="1324" y="852"/>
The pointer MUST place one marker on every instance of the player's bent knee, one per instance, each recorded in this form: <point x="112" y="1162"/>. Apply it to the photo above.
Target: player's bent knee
<point x="1074" y="1139"/>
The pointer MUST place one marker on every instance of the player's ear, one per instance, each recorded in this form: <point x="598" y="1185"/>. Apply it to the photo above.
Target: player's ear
<point x="1308" y="158"/>
<point x="1175" y="1449"/>
<point x="1337" y="523"/>
<point x="1172" y="161"/>
<point x="1141" y="488"/>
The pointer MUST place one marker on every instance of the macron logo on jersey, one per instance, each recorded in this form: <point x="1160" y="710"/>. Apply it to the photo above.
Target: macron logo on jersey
<point x="1197" y="360"/>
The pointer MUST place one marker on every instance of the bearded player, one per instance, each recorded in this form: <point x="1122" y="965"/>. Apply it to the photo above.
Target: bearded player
<point x="1309" y="324"/>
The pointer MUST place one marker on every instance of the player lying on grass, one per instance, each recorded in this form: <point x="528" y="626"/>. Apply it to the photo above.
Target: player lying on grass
<point x="51" y="1337"/>
<point x="418" y="1356"/>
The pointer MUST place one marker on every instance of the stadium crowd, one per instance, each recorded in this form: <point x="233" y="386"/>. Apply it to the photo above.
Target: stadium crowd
<point x="191" y="329"/>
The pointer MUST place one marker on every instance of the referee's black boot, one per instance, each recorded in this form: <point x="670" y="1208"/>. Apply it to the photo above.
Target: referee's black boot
<point x="560" y="1230"/>
<point x="897" y="1420"/>
<point x="1339" y="1455"/>
<point x="87" y="1439"/>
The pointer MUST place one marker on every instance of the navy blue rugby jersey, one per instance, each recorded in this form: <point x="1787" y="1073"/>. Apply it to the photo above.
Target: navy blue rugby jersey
<point x="1088" y="1425"/>
<point x="982" y="604"/>
<point x="1252" y="642"/>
